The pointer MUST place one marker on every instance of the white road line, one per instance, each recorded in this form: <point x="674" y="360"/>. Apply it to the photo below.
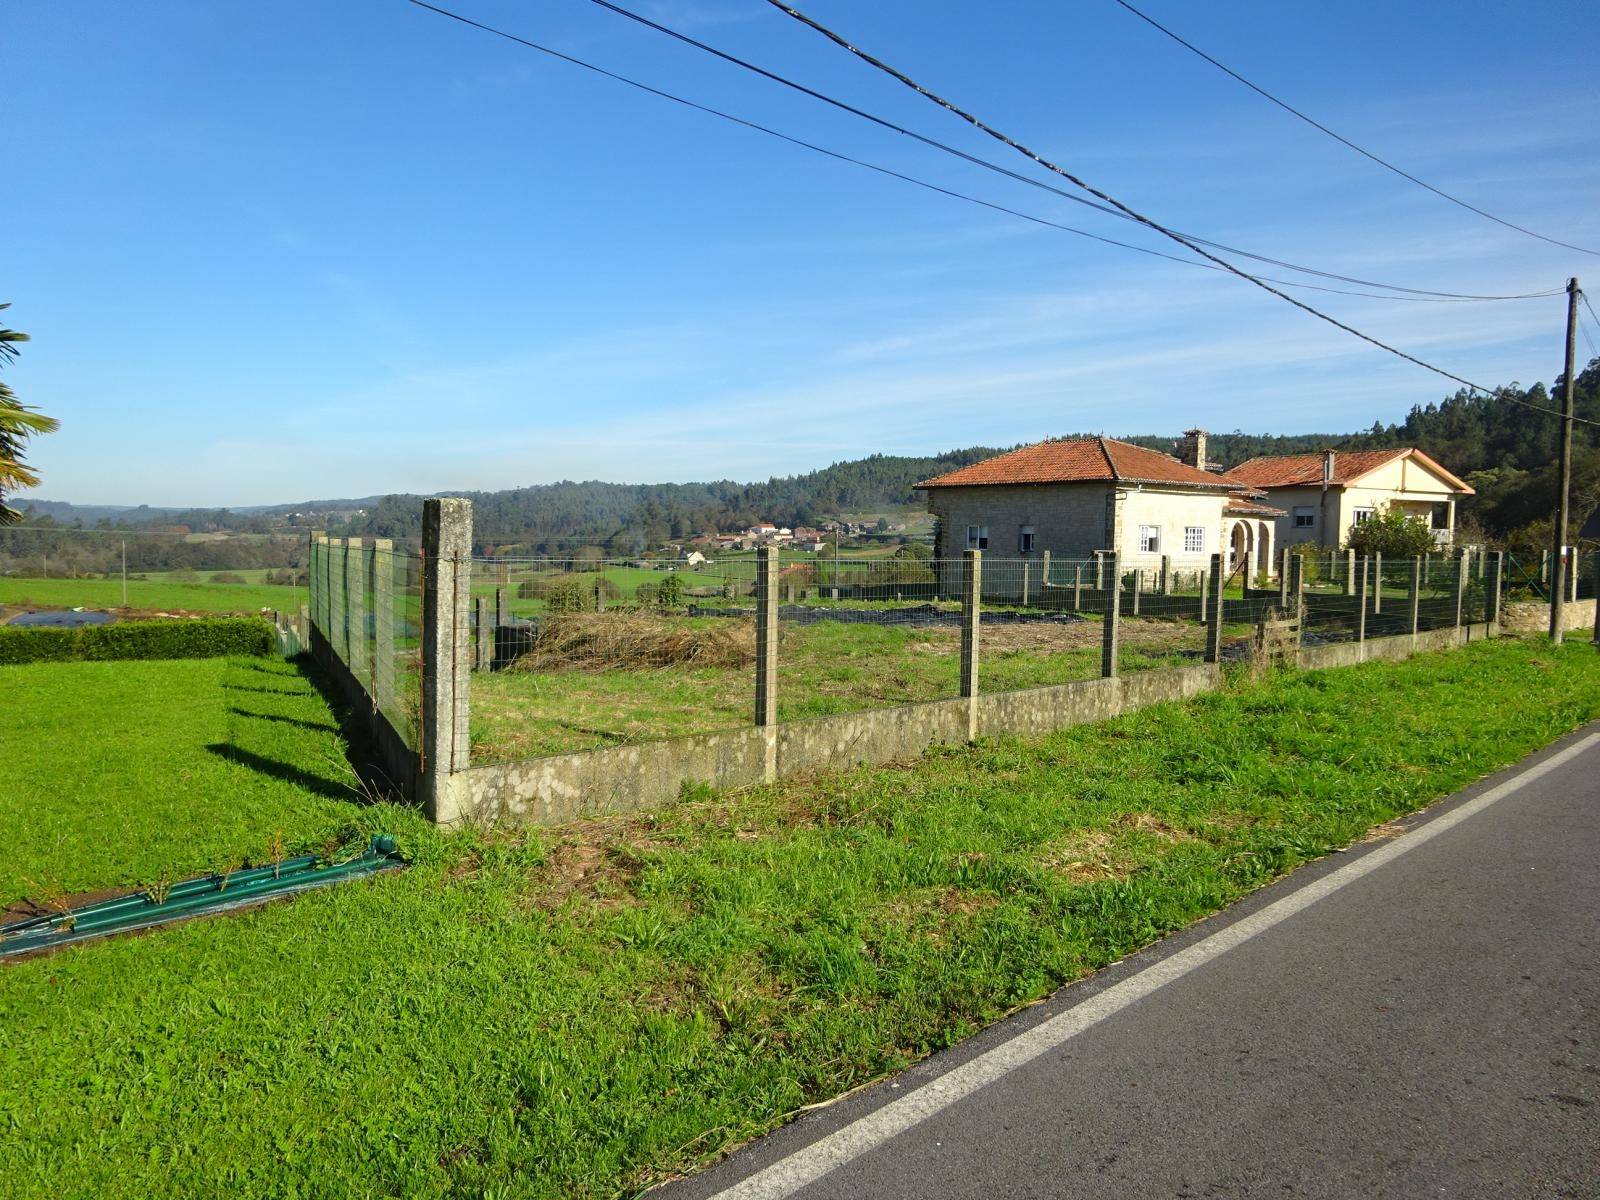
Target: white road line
<point x="807" y="1165"/>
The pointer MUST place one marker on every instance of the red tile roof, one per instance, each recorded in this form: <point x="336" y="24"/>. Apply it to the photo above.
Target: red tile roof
<point x="1305" y="470"/>
<point x="1080" y="460"/>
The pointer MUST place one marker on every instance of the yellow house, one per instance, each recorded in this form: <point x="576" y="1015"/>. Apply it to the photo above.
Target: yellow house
<point x="1324" y="496"/>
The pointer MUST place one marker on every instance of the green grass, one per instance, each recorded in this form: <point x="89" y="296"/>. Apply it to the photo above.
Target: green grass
<point x="159" y="592"/>
<point x="117" y="774"/>
<point x="823" y="669"/>
<point x="577" y="1013"/>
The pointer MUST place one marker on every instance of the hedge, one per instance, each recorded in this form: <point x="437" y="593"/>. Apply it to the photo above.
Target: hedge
<point x="210" y="637"/>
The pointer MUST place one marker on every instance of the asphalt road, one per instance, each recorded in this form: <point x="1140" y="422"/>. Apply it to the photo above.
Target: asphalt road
<point x="1419" y="1016"/>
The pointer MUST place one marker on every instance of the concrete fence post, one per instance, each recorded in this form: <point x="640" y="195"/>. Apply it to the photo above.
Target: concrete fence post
<point x="355" y="590"/>
<point x="483" y="636"/>
<point x="1427" y="569"/>
<point x="1108" y="639"/>
<point x="1349" y="572"/>
<point x="1572" y="575"/>
<point x="1283" y="579"/>
<point x="1377" y="582"/>
<point x="1025" y="571"/>
<point x="1363" y="585"/>
<point x="1214" y="615"/>
<point x="1494" y="587"/>
<point x="317" y="580"/>
<point x="340" y="598"/>
<point x="1461" y="587"/>
<point x="1165" y="587"/>
<point x="1077" y="587"/>
<point x="383" y="624"/>
<point x="1044" y="573"/>
<point x="767" y="655"/>
<point x="1137" y="577"/>
<point x="971" y="603"/>
<point x="1418" y="566"/>
<point x="1297" y="587"/>
<point x="446" y="652"/>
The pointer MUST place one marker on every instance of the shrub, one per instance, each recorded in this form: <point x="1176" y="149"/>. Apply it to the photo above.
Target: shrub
<point x="1393" y="533"/>
<point x="569" y="595"/>
<point x="209" y="638"/>
<point x="227" y="577"/>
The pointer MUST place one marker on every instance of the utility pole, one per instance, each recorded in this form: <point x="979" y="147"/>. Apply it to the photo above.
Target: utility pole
<point x="1559" y="568"/>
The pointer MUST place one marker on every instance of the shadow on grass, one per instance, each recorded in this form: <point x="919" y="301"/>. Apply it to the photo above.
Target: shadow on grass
<point x="360" y="749"/>
<point x="313" y="726"/>
<point x="287" y="772"/>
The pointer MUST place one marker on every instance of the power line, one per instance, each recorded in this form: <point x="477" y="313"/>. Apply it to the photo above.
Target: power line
<point x="1365" y="153"/>
<point x="1410" y="294"/>
<point x="990" y="165"/>
<point x="977" y="123"/>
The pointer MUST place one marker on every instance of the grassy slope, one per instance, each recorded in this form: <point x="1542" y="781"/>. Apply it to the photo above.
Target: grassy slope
<point x="119" y="773"/>
<point x="157" y="592"/>
<point x="572" y="1014"/>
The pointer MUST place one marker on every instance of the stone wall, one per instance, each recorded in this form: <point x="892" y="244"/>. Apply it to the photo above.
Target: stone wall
<point x="1534" y="617"/>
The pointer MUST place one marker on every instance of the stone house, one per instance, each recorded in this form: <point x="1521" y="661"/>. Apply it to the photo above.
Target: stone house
<point x="1074" y="497"/>
<point x="1324" y="496"/>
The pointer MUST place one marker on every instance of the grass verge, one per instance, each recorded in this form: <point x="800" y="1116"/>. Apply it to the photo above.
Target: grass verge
<point x="579" y="1012"/>
<point x="119" y="774"/>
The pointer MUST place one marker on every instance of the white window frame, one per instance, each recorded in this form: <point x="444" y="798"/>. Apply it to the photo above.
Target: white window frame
<point x="1305" y="516"/>
<point x="977" y="537"/>
<point x="1194" y="539"/>
<point x="1025" y="539"/>
<point x="1149" y="539"/>
<point x="1360" y="516"/>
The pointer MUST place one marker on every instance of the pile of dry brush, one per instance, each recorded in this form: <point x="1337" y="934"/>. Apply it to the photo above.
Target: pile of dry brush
<point x="606" y="641"/>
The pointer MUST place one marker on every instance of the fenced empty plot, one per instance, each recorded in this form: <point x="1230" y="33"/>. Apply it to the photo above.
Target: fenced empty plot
<point x="543" y="689"/>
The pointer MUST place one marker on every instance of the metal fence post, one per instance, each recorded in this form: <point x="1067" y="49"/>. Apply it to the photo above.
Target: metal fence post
<point x="1108" y="640"/>
<point x="355" y="592"/>
<point x="1214" y="617"/>
<point x="383" y="624"/>
<point x="446" y="653"/>
<point x="971" y="602"/>
<point x="1418" y="565"/>
<point x="767" y="654"/>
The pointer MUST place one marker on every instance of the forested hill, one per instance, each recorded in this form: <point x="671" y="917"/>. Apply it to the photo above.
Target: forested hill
<point x="1504" y="448"/>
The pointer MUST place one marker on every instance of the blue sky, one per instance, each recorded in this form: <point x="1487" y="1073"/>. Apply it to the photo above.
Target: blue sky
<point x="277" y="252"/>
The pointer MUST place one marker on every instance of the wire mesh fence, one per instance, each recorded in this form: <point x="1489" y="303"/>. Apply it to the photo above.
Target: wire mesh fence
<point x="583" y="653"/>
<point x="577" y="654"/>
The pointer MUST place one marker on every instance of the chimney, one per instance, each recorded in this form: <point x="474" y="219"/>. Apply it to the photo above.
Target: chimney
<point x="1192" y="449"/>
<point x="1327" y="467"/>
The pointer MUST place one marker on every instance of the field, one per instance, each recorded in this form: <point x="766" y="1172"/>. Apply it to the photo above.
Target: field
<point x="577" y="1013"/>
<point x="118" y="774"/>
<point x="830" y="667"/>
<point x="158" y="592"/>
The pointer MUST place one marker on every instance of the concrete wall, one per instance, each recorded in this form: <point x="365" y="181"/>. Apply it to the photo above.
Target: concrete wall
<point x="617" y="779"/>
<point x="1392" y="649"/>
<point x="1534" y="617"/>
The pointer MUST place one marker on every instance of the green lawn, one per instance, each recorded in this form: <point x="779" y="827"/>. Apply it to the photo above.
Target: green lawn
<point x="827" y="668"/>
<point x="578" y="1013"/>
<point x="118" y="774"/>
<point x="159" y="592"/>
